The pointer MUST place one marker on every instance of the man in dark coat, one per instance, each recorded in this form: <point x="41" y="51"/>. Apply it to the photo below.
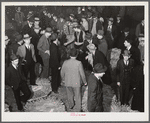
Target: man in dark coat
<point x="55" y="62"/>
<point x="16" y="80"/>
<point x="135" y="52"/>
<point x="124" y="70"/>
<point x="110" y="32"/>
<point x="95" y="85"/>
<point x="44" y="51"/>
<point x="138" y="87"/>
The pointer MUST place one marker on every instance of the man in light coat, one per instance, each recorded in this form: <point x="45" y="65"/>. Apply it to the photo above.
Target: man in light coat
<point x="73" y="75"/>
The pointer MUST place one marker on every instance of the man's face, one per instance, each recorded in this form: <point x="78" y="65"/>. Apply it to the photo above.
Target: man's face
<point x="15" y="62"/>
<point x="141" y="43"/>
<point x="31" y="23"/>
<point x="27" y="41"/>
<point x="126" y="44"/>
<point x="36" y="22"/>
<point x="6" y="42"/>
<point x="126" y="57"/>
<point x="99" y="36"/>
<point x="19" y="9"/>
<point x="100" y="74"/>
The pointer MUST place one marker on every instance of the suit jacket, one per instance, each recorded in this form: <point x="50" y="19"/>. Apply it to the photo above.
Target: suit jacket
<point x="114" y="31"/>
<point x="99" y="57"/>
<point x="135" y="55"/>
<point x="13" y="77"/>
<point x="95" y="94"/>
<point x="27" y="30"/>
<point x="72" y="73"/>
<point x="22" y="51"/>
<point x="55" y="56"/>
<point x="42" y="46"/>
<point x="121" y="67"/>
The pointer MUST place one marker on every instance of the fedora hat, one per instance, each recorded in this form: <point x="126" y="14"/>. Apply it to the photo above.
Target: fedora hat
<point x="26" y="36"/>
<point x="18" y="38"/>
<point x="126" y="53"/>
<point x="126" y="29"/>
<point x="99" y="68"/>
<point x="100" y="32"/>
<point x="6" y="38"/>
<point x="88" y="36"/>
<point x="36" y="19"/>
<point x="49" y="30"/>
<point x="91" y="46"/>
<point x="13" y="57"/>
<point x="53" y="37"/>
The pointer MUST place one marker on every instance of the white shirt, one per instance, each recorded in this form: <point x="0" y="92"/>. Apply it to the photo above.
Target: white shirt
<point x="128" y="48"/>
<point x="14" y="66"/>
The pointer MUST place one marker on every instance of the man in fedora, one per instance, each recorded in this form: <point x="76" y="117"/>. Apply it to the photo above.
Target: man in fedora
<point x="44" y="51"/>
<point x="16" y="80"/>
<point x="95" y="85"/>
<point x="102" y="44"/>
<point x="27" y="53"/>
<point x="73" y="75"/>
<point x="110" y="32"/>
<point x="124" y="70"/>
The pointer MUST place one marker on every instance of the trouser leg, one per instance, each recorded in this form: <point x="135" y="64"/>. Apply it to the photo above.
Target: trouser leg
<point x="70" y="96"/>
<point x="45" y="71"/>
<point x="55" y="79"/>
<point x="77" y="92"/>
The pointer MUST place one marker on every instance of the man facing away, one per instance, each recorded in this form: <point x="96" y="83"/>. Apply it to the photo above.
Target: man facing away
<point x="73" y="75"/>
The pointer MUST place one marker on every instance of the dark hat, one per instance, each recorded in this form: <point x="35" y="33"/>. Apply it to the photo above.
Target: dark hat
<point x="126" y="29"/>
<point x="126" y="53"/>
<point x="88" y="36"/>
<point x="53" y="37"/>
<point x="61" y="16"/>
<point x="95" y="15"/>
<point x="26" y="36"/>
<point x="73" y="52"/>
<point x="6" y="38"/>
<point x="36" y="19"/>
<point x="100" y="32"/>
<point x="31" y="19"/>
<point x="13" y="57"/>
<point x="99" y="68"/>
<point x="49" y="30"/>
<point x="89" y="14"/>
<point x="18" y="38"/>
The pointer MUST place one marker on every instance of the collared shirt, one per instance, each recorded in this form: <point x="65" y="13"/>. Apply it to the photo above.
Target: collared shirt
<point x="128" y="48"/>
<point x="27" y="46"/>
<point x="14" y="66"/>
<point x="110" y="27"/>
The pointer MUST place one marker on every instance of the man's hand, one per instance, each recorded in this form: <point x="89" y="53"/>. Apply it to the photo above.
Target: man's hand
<point x="118" y="83"/>
<point x="48" y="52"/>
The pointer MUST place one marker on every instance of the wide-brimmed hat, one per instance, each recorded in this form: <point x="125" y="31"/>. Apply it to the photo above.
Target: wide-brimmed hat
<point x="26" y="36"/>
<point x="89" y="14"/>
<point x="100" y="32"/>
<point x="36" y="19"/>
<point x="54" y="36"/>
<point x="99" y="68"/>
<point x="36" y="27"/>
<point x="61" y="15"/>
<point x="18" y="38"/>
<point x="6" y="38"/>
<point x="126" y="29"/>
<point x="88" y="36"/>
<point x="49" y="30"/>
<point x="91" y="47"/>
<point x="13" y="57"/>
<point x="126" y="53"/>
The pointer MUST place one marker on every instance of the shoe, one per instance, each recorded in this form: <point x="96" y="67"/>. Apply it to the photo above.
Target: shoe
<point x="22" y="110"/>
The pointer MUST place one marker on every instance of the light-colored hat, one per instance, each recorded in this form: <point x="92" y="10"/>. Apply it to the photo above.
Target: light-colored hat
<point x="91" y="46"/>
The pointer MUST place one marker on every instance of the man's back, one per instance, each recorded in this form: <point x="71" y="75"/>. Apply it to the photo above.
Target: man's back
<point x="72" y="73"/>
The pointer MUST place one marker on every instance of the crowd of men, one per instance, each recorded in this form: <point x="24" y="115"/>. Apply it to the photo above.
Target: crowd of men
<point x="66" y="48"/>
